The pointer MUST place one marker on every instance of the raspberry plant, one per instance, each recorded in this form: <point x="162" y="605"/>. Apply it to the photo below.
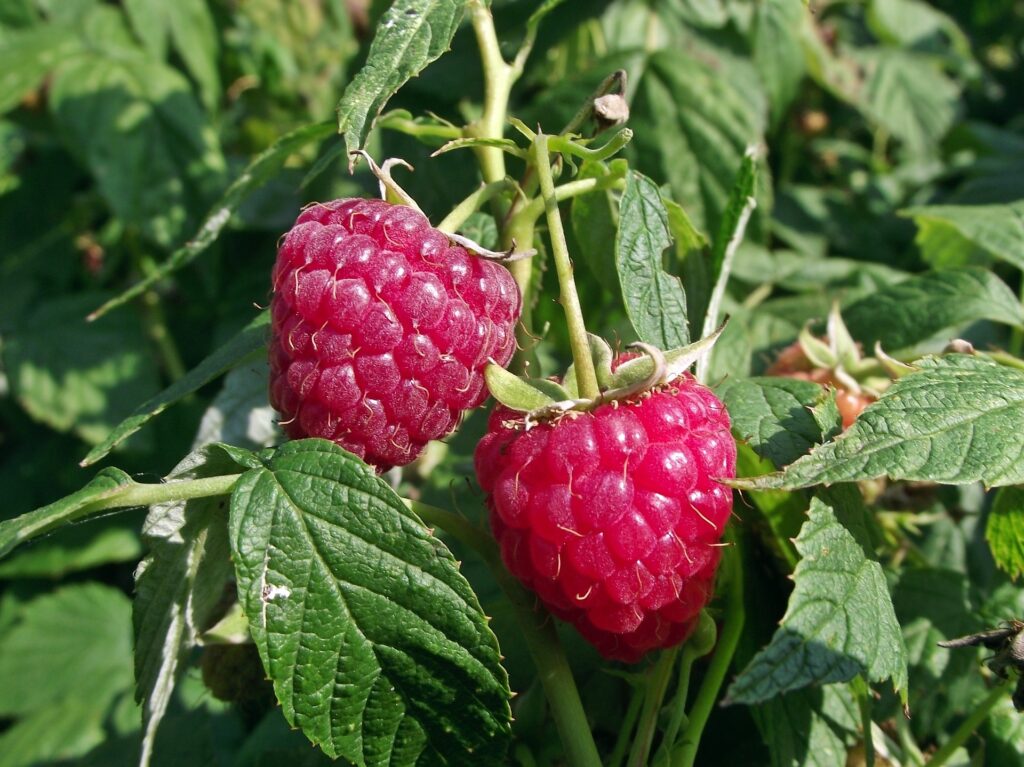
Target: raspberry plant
<point x="743" y="280"/>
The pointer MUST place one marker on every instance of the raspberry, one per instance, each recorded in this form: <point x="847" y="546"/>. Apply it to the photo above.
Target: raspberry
<point x="382" y="328"/>
<point x="611" y="516"/>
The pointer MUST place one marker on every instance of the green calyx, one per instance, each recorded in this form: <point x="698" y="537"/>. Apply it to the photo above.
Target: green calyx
<point x="543" y="399"/>
<point x="840" y="354"/>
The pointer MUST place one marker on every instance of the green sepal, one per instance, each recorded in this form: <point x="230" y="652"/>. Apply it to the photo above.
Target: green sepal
<point x="677" y="361"/>
<point x="817" y="351"/>
<point x="519" y="393"/>
<point x="601" y="354"/>
<point x="844" y="348"/>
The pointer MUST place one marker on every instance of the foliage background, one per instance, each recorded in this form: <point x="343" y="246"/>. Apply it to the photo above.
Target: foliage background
<point x="121" y="124"/>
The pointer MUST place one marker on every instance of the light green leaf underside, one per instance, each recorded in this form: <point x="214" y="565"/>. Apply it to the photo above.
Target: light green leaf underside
<point x="409" y="36"/>
<point x="177" y="586"/>
<point x="958" y="419"/>
<point x="839" y="622"/>
<point x="357" y="610"/>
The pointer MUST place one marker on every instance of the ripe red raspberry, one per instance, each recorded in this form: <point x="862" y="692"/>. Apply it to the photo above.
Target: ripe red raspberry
<point x="611" y="516"/>
<point x="382" y="328"/>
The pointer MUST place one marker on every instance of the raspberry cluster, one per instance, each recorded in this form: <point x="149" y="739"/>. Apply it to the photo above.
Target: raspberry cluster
<point x="611" y="516"/>
<point x="381" y="329"/>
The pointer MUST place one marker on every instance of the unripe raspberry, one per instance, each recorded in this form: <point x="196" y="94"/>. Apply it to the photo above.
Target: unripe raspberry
<point x="612" y="516"/>
<point x="382" y="328"/>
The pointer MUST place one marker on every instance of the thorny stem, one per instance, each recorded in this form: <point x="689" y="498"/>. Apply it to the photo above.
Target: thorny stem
<point x="538" y="630"/>
<point x="686" y="752"/>
<point x="968" y="726"/>
<point x="585" y="376"/>
<point x="657" y="684"/>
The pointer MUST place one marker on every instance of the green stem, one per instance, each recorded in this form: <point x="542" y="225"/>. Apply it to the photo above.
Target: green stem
<point x="686" y="752"/>
<point x="21" y="529"/>
<point x="626" y="728"/>
<point x="472" y="203"/>
<point x="969" y="725"/>
<point x="657" y="685"/>
<point x="586" y="378"/>
<point x="863" y="694"/>
<point x="498" y="80"/>
<point x="415" y="129"/>
<point x="538" y="630"/>
<point x="155" y="324"/>
<point x="678" y="705"/>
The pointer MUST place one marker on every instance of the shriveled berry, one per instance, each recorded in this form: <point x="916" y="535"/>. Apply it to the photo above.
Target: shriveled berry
<point x="381" y="329"/>
<point x="611" y="516"/>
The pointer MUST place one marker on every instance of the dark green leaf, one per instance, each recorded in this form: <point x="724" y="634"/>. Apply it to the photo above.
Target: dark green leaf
<point x="75" y="376"/>
<point x="28" y="55"/>
<point x="809" y="727"/>
<point x="773" y="415"/>
<point x="953" y="233"/>
<point x="249" y="341"/>
<point x="177" y="587"/>
<point x="958" y="419"/>
<point x="349" y="598"/>
<point x="140" y="131"/>
<point x="704" y="111"/>
<point x="594" y="219"/>
<point x="409" y="36"/>
<point x="1005" y="530"/>
<point x="73" y="643"/>
<point x="262" y="168"/>
<point x="916" y="309"/>
<point x="908" y="94"/>
<point x="189" y="25"/>
<point x="839" y="622"/>
<point x="778" y="51"/>
<point x="655" y="300"/>
<point x="14" y="532"/>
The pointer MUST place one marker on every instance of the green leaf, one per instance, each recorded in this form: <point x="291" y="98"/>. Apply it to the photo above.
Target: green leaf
<point x="908" y="95"/>
<point x="177" y="587"/>
<point x="952" y="233"/>
<point x="137" y="127"/>
<point x="249" y="341"/>
<point x="14" y="532"/>
<point x="655" y="300"/>
<point x="809" y="727"/>
<point x="28" y="55"/>
<point x="704" y="109"/>
<point x="261" y="169"/>
<point x="61" y="731"/>
<point x="773" y="415"/>
<point x="74" y="643"/>
<point x="356" y="610"/>
<point x="778" y="51"/>
<point x="594" y="220"/>
<point x="915" y="309"/>
<point x="409" y="36"/>
<point x="839" y="622"/>
<point x="1005" y="530"/>
<point x="189" y="25"/>
<point x="958" y="419"/>
<point x="74" y="376"/>
<point x="241" y="413"/>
